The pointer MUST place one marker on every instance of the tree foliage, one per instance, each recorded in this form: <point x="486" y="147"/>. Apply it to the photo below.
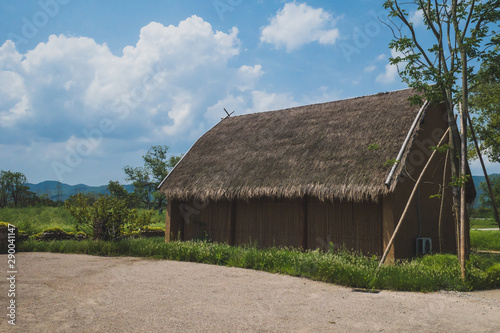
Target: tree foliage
<point x="484" y="198"/>
<point x="15" y="193"/>
<point x="146" y="179"/>
<point x="440" y="64"/>
<point x="485" y="105"/>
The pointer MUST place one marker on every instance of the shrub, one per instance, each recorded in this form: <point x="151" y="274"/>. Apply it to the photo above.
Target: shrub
<point x="107" y="218"/>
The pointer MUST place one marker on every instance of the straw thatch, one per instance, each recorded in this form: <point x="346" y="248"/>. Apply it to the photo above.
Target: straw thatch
<point x="319" y="150"/>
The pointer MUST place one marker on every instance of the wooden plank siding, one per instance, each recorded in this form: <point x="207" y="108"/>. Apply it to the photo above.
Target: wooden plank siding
<point x="354" y="226"/>
<point x="301" y="223"/>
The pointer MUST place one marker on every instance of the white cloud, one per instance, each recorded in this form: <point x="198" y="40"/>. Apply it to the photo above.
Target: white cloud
<point x="381" y="57"/>
<point x="324" y="94"/>
<point x="391" y="71"/>
<point x="370" y="68"/>
<point x="157" y="91"/>
<point x="298" y="24"/>
<point x="152" y="90"/>
<point x="263" y="101"/>
<point x="417" y="18"/>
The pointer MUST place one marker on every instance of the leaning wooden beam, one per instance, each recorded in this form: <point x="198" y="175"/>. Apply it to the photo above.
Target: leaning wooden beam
<point x="442" y="201"/>
<point x="495" y="208"/>
<point x="391" y="241"/>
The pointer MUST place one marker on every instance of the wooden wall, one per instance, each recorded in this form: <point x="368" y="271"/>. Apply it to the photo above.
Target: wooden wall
<point x="431" y="130"/>
<point x="355" y="226"/>
<point x="301" y="223"/>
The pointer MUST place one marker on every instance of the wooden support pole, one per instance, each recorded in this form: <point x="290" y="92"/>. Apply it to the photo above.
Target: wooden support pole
<point x="391" y="241"/>
<point x="303" y="224"/>
<point x="231" y="223"/>
<point x="442" y="202"/>
<point x="495" y="208"/>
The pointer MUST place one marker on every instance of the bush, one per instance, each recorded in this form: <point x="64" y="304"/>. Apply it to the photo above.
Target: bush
<point x="107" y="218"/>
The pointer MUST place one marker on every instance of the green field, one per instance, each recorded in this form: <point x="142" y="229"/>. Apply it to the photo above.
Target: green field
<point x="483" y="223"/>
<point x="33" y="220"/>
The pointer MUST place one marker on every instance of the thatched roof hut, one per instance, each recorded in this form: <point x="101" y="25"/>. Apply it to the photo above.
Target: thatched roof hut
<point x="336" y="153"/>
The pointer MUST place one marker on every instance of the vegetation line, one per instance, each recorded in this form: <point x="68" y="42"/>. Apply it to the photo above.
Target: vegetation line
<point x="425" y="274"/>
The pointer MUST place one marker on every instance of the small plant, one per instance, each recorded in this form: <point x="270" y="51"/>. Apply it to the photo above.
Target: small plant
<point x="391" y="162"/>
<point x="459" y="180"/>
<point x="441" y="149"/>
<point x="373" y="146"/>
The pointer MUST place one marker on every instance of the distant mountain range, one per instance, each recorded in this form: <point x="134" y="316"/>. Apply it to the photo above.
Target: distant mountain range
<point x="64" y="191"/>
<point x="51" y="188"/>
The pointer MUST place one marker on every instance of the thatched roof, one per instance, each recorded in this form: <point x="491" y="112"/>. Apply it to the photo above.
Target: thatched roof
<point x="319" y="150"/>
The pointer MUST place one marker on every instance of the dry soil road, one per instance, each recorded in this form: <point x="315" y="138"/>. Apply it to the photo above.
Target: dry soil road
<point x="78" y="293"/>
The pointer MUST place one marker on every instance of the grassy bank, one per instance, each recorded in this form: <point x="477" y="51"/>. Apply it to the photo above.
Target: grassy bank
<point x="483" y="223"/>
<point x="485" y="240"/>
<point x="429" y="273"/>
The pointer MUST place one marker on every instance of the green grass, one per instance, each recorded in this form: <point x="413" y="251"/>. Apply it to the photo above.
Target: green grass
<point x="485" y="240"/>
<point x="483" y="223"/>
<point x="33" y="220"/>
<point x="426" y="274"/>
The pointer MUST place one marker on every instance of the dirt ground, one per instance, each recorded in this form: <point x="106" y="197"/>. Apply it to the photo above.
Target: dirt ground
<point x="78" y="293"/>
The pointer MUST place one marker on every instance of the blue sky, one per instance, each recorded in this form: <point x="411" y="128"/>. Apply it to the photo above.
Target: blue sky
<point x="86" y="87"/>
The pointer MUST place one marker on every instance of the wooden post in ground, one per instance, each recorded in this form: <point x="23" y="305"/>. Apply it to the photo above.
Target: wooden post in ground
<point x="391" y="241"/>
<point x="442" y="202"/>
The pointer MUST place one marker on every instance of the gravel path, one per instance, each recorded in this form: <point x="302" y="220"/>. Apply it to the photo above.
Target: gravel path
<point x="78" y="293"/>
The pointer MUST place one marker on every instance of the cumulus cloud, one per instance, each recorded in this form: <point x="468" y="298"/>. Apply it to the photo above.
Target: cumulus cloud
<point x="417" y="18"/>
<point x="391" y="71"/>
<point x="152" y="89"/>
<point x="158" y="90"/>
<point x="370" y="68"/>
<point x="298" y="24"/>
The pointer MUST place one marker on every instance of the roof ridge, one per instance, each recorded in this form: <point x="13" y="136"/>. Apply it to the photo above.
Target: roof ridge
<point x="322" y="103"/>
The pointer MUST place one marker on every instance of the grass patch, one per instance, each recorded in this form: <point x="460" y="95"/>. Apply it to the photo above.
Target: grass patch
<point x="36" y="219"/>
<point x="426" y="274"/>
<point x="33" y="220"/>
<point x="483" y="223"/>
<point x="485" y="240"/>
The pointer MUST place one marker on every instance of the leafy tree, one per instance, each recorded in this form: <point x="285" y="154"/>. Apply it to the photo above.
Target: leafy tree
<point x="13" y="190"/>
<point x="146" y="179"/>
<point x="117" y="190"/>
<point x="485" y="104"/>
<point x="484" y="198"/>
<point x="461" y="34"/>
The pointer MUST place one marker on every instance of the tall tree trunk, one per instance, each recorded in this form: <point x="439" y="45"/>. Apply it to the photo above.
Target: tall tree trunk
<point x="463" y="159"/>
